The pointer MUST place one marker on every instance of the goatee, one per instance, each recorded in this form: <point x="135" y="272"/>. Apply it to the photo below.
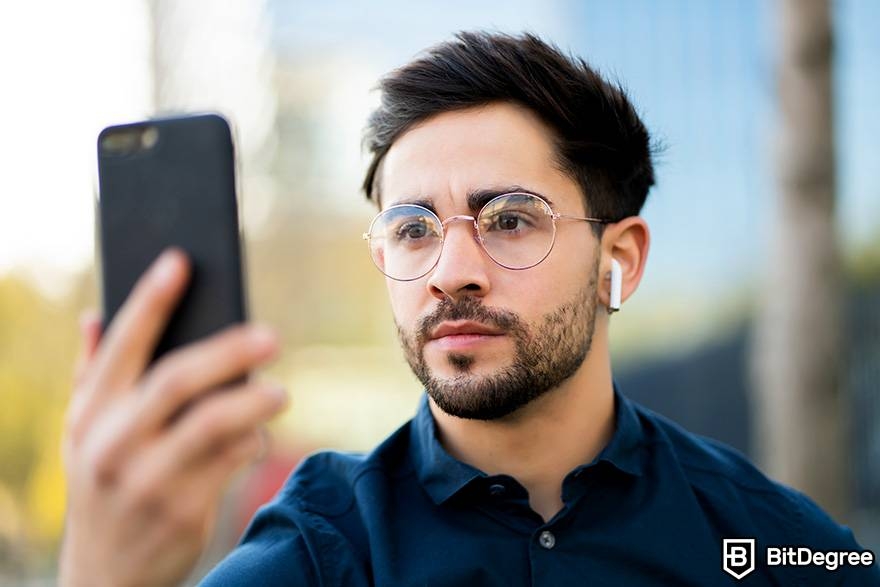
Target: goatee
<point x="546" y="355"/>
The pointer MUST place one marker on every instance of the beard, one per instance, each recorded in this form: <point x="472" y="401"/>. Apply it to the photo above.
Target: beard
<point x="545" y="355"/>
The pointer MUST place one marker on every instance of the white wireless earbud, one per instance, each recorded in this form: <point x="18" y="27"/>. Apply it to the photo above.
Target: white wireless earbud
<point x="616" y="286"/>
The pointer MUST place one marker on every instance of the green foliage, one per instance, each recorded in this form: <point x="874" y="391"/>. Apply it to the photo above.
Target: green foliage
<point x="37" y="346"/>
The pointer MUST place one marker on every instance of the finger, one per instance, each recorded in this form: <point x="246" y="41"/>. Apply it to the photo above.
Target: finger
<point x="181" y="376"/>
<point x="202" y="433"/>
<point x="90" y="335"/>
<point x="132" y="335"/>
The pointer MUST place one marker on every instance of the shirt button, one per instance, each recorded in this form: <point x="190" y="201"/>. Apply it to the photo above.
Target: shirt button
<point x="497" y="490"/>
<point x="547" y="539"/>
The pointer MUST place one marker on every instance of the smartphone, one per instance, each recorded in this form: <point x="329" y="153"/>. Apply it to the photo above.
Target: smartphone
<point x="171" y="182"/>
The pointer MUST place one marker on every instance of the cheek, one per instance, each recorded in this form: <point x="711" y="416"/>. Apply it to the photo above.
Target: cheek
<point x="561" y="277"/>
<point x="533" y="293"/>
<point x="573" y="255"/>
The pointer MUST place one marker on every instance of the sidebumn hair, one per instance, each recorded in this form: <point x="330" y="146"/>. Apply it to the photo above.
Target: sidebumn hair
<point x="601" y="142"/>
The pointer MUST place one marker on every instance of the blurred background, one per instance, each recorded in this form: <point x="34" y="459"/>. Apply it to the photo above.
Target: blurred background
<point x="757" y="321"/>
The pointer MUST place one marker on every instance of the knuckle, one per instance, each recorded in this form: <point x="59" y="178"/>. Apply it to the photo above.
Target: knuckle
<point x="95" y="460"/>
<point x="209" y="422"/>
<point x="169" y="379"/>
<point x="145" y="495"/>
<point x="104" y="468"/>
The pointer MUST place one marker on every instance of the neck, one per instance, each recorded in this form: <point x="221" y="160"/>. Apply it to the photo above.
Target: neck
<point x="542" y="442"/>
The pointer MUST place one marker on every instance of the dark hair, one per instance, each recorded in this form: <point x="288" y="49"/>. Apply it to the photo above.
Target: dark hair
<point x="601" y="141"/>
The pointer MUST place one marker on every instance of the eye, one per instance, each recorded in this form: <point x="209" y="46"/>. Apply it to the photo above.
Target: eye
<point x="411" y="230"/>
<point x="508" y="221"/>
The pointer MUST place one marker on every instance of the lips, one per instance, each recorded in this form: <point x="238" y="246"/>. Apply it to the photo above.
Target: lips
<point x="463" y="336"/>
<point x="447" y="329"/>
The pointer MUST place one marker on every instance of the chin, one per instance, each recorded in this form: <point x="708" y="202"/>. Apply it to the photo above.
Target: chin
<point x="451" y="365"/>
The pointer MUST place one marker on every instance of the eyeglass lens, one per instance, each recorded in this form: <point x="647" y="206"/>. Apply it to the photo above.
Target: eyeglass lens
<point x="516" y="230"/>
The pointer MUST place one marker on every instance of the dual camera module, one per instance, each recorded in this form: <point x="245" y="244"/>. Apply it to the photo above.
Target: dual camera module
<point x="129" y="140"/>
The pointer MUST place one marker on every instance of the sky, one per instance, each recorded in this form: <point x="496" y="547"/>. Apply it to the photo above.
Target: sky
<point x="701" y="74"/>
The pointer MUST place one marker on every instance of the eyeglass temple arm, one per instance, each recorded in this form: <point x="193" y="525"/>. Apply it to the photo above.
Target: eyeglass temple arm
<point x="596" y="220"/>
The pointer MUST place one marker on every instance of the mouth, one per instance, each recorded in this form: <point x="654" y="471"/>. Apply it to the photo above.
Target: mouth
<point x="462" y="335"/>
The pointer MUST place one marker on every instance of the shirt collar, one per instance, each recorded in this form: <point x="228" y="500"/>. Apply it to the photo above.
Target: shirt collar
<point x="625" y="449"/>
<point x="443" y="476"/>
<point x="440" y="474"/>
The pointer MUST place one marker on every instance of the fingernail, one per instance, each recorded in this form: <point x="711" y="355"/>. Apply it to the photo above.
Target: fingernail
<point x="165" y="267"/>
<point x="262" y="336"/>
<point x="279" y="395"/>
<point x="87" y="318"/>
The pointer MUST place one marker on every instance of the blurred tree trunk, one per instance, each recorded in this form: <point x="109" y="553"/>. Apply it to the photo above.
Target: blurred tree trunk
<point x="799" y="405"/>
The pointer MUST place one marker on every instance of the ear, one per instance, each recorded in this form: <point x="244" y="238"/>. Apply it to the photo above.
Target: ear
<point x="628" y="242"/>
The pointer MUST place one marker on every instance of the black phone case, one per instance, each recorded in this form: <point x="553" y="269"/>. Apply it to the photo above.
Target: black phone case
<point x="180" y="192"/>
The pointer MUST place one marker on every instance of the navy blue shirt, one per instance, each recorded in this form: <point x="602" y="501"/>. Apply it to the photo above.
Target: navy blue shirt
<point x="652" y="508"/>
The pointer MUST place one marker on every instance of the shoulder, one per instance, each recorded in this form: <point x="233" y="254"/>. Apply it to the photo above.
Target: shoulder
<point x="268" y="558"/>
<point x="705" y="460"/>
<point x="327" y="482"/>
<point x="323" y="482"/>
<point x="738" y="495"/>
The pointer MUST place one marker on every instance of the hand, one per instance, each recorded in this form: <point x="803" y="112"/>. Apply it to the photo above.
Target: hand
<point x="145" y="476"/>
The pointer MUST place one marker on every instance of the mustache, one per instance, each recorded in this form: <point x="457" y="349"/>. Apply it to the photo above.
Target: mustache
<point x="467" y="308"/>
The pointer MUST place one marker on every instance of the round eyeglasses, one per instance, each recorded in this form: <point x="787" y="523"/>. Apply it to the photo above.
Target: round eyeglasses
<point x="516" y="230"/>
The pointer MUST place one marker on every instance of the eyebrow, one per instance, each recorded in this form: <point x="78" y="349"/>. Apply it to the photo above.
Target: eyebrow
<point x="476" y="199"/>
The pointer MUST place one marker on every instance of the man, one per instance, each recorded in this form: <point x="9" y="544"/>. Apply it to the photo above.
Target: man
<point x="509" y="179"/>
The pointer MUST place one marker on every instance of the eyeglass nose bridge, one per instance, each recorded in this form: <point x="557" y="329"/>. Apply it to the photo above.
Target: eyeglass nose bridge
<point x="459" y="217"/>
<point x="476" y="233"/>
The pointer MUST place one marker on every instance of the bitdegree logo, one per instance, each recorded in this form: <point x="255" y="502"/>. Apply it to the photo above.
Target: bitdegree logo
<point x="739" y="557"/>
<point x="801" y="556"/>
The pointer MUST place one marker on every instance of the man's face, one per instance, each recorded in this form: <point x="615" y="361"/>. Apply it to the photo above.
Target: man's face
<point x="516" y="334"/>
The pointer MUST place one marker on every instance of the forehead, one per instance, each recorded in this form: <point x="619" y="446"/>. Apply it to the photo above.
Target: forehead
<point x="455" y="153"/>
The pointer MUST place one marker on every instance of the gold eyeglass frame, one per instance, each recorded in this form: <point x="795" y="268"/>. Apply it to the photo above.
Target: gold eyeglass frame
<point x="554" y="216"/>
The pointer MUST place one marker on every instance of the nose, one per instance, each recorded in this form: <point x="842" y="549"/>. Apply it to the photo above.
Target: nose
<point x="463" y="267"/>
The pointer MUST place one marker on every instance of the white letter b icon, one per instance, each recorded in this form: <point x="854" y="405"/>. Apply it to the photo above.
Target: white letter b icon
<point x="739" y="556"/>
